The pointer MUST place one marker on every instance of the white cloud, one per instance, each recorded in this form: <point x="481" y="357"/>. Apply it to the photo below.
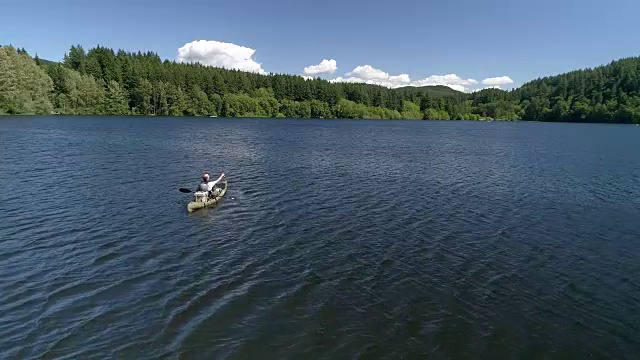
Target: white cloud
<point x="219" y="54"/>
<point x="370" y="75"/>
<point x="400" y="79"/>
<point x="368" y="72"/>
<point x="340" y="79"/>
<point x="501" y="80"/>
<point x="325" y="67"/>
<point x="451" y="80"/>
<point x="232" y="56"/>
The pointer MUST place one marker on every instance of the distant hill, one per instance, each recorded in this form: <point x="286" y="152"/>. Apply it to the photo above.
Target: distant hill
<point x="47" y="62"/>
<point x="441" y="90"/>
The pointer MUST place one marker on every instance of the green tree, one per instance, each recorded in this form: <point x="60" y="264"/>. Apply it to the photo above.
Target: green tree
<point x="177" y="101"/>
<point x="142" y="98"/>
<point x="320" y="109"/>
<point x="76" y="59"/>
<point x="581" y="109"/>
<point x="560" y="110"/>
<point x="84" y="84"/>
<point x="432" y="114"/>
<point x="216" y="102"/>
<point x="443" y="115"/>
<point x="295" y="109"/>
<point x="116" y="100"/>
<point x="411" y="111"/>
<point x="25" y="88"/>
<point x="538" y="109"/>
<point x="346" y="109"/>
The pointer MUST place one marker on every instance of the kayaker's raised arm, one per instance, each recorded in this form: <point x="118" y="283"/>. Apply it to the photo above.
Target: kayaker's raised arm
<point x="213" y="183"/>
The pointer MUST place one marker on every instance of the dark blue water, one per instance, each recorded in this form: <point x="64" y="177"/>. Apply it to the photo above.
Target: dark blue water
<point x="336" y="240"/>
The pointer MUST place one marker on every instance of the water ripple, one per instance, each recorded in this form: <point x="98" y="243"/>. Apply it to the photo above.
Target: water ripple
<point x="337" y="239"/>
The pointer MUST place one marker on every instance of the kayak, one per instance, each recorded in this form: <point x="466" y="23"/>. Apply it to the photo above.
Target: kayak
<point x="201" y="199"/>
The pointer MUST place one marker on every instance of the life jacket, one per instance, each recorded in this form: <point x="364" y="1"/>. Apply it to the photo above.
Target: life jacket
<point x="203" y="186"/>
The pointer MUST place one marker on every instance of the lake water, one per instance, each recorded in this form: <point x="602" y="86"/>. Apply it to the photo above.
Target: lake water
<point x="336" y="240"/>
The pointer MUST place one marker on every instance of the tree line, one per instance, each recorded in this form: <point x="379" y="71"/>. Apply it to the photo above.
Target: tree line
<point x="102" y="81"/>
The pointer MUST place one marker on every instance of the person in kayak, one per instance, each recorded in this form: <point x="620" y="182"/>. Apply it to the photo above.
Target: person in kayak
<point x="207" y="185"/>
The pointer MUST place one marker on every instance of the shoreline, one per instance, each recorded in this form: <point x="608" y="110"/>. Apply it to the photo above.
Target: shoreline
<point x="303" y="119"/>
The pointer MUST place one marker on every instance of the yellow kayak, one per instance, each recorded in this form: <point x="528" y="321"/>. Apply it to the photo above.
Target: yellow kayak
<point x="202" y="200"/>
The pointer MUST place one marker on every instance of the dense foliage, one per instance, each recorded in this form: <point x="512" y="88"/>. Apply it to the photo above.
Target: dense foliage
<point x="104" y="82"/>
<point x="25" y="88"/>
<point x="608" y="93"/>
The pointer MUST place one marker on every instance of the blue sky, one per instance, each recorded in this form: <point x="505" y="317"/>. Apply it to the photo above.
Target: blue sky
<point x="473" y="39"/>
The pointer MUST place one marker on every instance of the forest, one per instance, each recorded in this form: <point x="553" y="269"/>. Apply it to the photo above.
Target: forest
<point x="102" y="81"/>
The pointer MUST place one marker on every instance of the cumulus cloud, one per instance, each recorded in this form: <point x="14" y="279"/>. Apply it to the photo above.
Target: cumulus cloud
<point x="307" y="77"/>
<point x="501" y="80"/>
<point x="369" y="75"/>
<point x="325" y="67"/>
<point x="446" y="80"/>
<point x="368" y="72"/>
<point x="340" y="79"/>
<point x="451" y="80"/>
<point x="400" y="79"/>
<point x="219" y="54"/>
